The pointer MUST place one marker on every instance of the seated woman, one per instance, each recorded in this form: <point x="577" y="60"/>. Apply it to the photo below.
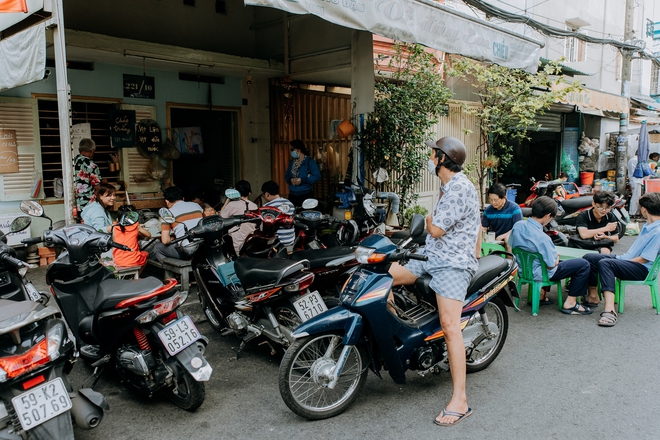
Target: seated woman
<point x="501" y="215"/>
<point x="97" y="213"/>
<point x="128" y="236"/>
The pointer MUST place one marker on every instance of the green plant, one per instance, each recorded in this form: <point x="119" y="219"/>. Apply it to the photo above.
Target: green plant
<point x="408" y="102"/>
<point x="409" y="212"/>
<point x="510" y="100"/>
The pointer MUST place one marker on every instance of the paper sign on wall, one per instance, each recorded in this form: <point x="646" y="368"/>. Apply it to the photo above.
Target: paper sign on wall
<point x="78" y="133"/>
<point x="8" y="152"/>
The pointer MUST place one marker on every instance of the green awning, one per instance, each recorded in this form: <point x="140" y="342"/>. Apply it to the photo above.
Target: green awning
<point x="566" y="70"/>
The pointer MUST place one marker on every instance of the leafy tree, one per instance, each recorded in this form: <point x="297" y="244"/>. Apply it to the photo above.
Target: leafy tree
<point x="408" y="102"/>
<point x="510" y="100"/>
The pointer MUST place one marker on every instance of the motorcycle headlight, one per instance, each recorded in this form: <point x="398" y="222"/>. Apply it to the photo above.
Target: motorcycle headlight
<point x="365" y="255"/>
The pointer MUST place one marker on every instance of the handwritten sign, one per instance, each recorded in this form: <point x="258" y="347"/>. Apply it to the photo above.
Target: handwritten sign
<point x="78" y="133"/>
<point x="149" y="138"/>
<point x="136" y="86"/>
<point x="122" y="128"/>
<point x="8" y="152"/>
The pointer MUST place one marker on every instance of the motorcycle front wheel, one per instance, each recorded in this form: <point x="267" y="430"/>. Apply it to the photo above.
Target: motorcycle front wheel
<point x="216" y="322"/>
<point x="490" y="345"/>
<point x="186" y="393"/>
<point x="305" y="373"/>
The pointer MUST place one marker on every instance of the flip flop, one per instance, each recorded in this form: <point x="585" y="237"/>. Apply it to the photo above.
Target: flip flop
<point x="446" y="412"/>
<point x="575" y="310"/>
<point x="591" y="305"/>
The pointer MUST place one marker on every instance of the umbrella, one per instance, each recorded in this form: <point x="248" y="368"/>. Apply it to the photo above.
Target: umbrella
<point x="13" y="6"/>
<point x="643" y="144"/>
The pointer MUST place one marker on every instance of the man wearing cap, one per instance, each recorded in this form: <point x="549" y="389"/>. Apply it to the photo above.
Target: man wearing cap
<point x="86" y="173"/>
<point x="451" y="246"/>
<point x="301" y="174"/>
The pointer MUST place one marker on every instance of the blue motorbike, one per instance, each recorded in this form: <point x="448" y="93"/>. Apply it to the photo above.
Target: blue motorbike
<point x="326" y="366"/>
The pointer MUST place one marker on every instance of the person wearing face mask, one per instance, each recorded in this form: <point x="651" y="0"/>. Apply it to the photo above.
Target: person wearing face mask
<point x="501" y="215"/>
<point x="301" y="174"/>
<point x="452" y="246"/>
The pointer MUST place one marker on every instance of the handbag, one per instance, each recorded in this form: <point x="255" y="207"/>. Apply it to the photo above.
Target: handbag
<point x="575" y="241"/>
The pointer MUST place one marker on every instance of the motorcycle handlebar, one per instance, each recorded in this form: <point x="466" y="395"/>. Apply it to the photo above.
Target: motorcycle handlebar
<point x="418" y="257"/>
<point x="121" y="246"/>
<point x="300" y="225"/>
<point x="13" y="261"/>
<point x="32" y="240"/>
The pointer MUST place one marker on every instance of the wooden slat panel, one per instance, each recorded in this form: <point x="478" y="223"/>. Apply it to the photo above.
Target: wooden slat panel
<point x="23" y="181"/>
<point x="18" y="117"/>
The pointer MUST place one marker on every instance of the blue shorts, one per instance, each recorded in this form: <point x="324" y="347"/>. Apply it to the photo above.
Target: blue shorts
<point x="448" y="282"/>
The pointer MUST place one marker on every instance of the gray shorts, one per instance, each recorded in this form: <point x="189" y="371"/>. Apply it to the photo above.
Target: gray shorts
<point x="448" y="282"/>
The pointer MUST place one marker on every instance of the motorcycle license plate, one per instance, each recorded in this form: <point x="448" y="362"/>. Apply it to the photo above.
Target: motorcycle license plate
<point x="310" y="305"/>
<point x="178" y="335"/>
<point x="41" y="403"/>
<point x="32" y="292"/>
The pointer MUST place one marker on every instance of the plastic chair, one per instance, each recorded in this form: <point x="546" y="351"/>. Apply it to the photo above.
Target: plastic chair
<point x="487" y="248"/>
<point x="526" y="276"/>
<point x="651" y="281"/>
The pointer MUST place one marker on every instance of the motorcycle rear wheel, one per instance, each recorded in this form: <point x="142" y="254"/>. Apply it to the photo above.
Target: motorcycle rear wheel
<point x="499" y="325"/>
<point x="304" y="373"/>
<point x="187" y="394"/>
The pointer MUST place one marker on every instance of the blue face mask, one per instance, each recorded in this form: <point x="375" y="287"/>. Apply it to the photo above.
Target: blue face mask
<point x="431" y="167"/>
<point x="295" y="154"/>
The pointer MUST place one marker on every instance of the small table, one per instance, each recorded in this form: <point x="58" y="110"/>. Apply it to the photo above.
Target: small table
<point x="567" y="253"/>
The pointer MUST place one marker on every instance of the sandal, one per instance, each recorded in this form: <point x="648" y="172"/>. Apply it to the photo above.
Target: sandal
<point x="460" y="417"/>
<point x="575" y="310"/>
<point x="608" y="319"/>
<point x="591" y="305"/>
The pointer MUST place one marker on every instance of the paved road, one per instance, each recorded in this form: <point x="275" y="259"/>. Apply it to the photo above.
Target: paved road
<point x="558" y="376"/>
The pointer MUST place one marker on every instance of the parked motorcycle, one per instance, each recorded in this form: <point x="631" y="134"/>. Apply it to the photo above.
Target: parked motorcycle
<point x="326" y="366"/>
<point x="37" y="400"/>
<point x="135" y="325"/>
<point x="249" y="297"/>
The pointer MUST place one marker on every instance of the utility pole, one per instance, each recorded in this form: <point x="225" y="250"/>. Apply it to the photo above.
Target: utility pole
<point x="626" y="74"/>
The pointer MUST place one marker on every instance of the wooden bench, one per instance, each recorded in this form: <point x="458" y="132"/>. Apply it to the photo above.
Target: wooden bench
<point x="173" y="266"/>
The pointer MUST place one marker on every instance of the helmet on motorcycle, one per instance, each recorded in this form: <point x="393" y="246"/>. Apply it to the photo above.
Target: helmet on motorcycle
<point x="451" y="147"/>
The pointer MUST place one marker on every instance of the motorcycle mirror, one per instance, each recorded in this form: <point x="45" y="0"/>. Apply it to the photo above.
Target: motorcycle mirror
<point x="417" y="225"/>
<point x="30" y="207"/>
<point x="20" y="223"/>
<point x="285" y="208"/>
<point x="166" y="215"/>
<point x="310" y="204"/>
<point x="129" y="218"/>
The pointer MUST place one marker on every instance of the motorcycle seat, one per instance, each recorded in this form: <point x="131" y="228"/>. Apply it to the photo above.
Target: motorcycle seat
<point x="572" y="205"/>
<point x="399" y="236"/>
<point x="490" y="266"/>
<point x="322" y="257"/>
<point x="257" y="272"/>
<point x="112" y="291"/>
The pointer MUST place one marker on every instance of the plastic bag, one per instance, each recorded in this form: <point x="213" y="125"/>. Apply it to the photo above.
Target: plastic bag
<point x="632" y="228"/>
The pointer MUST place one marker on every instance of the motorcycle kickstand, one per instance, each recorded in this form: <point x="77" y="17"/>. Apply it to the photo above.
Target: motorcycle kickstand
<point x="273" y="352"/>
<point x="99" y="367"/>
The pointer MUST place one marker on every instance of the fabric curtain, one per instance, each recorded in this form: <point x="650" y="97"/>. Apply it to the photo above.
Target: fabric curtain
<point x="24" y="57"/>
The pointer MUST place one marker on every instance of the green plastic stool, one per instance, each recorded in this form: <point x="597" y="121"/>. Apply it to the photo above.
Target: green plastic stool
<point x="526" y="276"/>
<point x="651" y="281"/>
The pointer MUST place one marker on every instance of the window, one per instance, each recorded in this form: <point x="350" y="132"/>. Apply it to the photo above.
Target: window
<point x="655" y="89"/>
<point x="575" y="50"/>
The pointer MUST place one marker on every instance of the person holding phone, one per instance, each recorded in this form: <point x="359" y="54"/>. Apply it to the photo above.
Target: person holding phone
<point x="599" y="224"/>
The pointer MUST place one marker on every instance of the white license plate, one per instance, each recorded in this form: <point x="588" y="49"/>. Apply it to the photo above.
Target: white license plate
<point x="178" y="335"/>
<point x="32" y="292"/>
<point x="310" y="305"/>
<point x="41" y="403"/>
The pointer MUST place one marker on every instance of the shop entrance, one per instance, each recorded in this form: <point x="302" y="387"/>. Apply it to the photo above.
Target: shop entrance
<point x="208" y="142"/>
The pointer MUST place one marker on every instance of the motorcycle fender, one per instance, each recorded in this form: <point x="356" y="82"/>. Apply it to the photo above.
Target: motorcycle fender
<point x="94" y="397"/>
<point x="507" y="293"/>
<point x="194" y="361"/>
<point x="336" y="319"/>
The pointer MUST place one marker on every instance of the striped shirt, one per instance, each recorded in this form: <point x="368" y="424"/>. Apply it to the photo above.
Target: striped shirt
<point x="287" y="236"/>
<point x="187" y="213"/>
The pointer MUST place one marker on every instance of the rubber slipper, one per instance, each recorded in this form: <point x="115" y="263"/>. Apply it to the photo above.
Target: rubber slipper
<point x="575" y="310"/>
<point x="543" y="302"/>
<point x="446" y="412"/>
<point x="591" y="305"/>
<point x="608" y="319"/>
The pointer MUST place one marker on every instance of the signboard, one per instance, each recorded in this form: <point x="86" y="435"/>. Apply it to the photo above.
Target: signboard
<point x="425" y="22"/>
<point x="8" y="152"/>
<point x="122" y="128"/>
<point x="594" y="99"/>
<point x="78" y="133"/>
<point x="149" y="138"/>
<point x="137" y="86"/>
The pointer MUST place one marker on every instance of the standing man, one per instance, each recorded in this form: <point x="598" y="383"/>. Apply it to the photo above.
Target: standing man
<point x="635" y="186"/>
<point x="451" y="246"/>
<point x="185" y="213"/>
<point x="86" y="174"/>
<point x="633" y="265"/>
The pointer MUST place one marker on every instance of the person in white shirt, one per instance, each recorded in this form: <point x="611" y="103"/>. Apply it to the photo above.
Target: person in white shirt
<point x="635" y="186"/>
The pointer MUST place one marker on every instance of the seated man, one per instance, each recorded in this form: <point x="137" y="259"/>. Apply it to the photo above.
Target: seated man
<point x="599" y="224"/>
<point x="187" y="213"/>
<point x="633" y="265"/>
<point x="238" y="207"/>
<point x="271" y="192"/>
<point x="529" y="236"/>
<point x="501" y="215"/>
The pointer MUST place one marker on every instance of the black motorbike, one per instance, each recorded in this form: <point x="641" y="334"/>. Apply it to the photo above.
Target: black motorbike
<point x="37" y="401"/>
<point x="134" y="324"/>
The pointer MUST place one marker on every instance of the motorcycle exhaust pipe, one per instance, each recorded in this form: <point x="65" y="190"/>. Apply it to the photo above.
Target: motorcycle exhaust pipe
<point x="87" y="409"/>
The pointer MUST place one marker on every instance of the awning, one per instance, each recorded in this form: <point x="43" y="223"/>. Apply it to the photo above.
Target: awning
<point x="594" y="100"/>
<point x="645" y="102"/>
<point x="565" y="70"/>
<point x="14" y="11"/>
<point x="424" y="22"/>
<point x="24" y="56"/>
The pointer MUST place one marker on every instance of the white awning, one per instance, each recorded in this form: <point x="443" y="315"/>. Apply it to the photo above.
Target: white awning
<point x="24" y="57"/>
<point x="424" y="22"/>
